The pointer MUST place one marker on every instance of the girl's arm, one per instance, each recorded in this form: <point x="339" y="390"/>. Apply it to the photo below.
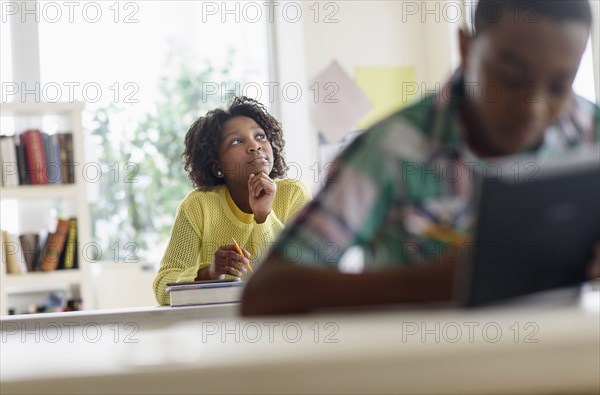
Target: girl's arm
<point x="179" y="264"/>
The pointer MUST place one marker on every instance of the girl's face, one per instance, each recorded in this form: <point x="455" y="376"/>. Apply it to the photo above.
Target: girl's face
<point x="243" y="150"/>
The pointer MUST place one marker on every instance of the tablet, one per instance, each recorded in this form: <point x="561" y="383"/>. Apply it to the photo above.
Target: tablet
<point x="537" y="223"/>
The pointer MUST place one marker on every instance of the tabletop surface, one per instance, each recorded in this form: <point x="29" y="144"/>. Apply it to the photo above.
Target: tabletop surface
<point x="527" y="347"/>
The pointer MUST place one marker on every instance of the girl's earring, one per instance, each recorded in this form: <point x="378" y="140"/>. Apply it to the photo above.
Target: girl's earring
<point x="219" y="173"/>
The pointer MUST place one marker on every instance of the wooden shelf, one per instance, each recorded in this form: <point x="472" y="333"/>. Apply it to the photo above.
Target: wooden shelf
<point x="40" y="281"/>
<point x="47" y="191"/>
<point x="17" y="290"/>
<point x="39" y="108"/>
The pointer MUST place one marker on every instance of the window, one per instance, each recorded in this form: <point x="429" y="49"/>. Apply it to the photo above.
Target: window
<point x="584" y="81"/>
<point x="146" y="70"/>
<point x="5" y="57"/>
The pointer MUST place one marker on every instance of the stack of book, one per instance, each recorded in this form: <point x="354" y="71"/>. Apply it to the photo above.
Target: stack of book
<point x="34" y="158"/>
<point x="31" y="252"/>
<point x="205" y="292"/>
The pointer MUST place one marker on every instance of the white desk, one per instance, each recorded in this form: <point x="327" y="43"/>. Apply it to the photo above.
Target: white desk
<point x="510" y="349"/>
<point x="141" y="317"/>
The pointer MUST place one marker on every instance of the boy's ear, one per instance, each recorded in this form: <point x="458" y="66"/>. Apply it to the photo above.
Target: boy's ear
<point x="464" y="42"/>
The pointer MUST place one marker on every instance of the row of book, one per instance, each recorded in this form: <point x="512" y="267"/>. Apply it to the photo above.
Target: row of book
<point x="34" y="157"/>
<point x="56" y="301"/>
<point x="44" y="251"/>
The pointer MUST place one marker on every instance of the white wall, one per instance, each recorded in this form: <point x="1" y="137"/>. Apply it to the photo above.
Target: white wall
<point x="381" y="33"/>
<point x="292" y="111"/>
<point x="355" y="33"/>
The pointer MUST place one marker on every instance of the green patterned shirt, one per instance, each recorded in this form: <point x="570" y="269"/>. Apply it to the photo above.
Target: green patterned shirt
<point x="405" y="179"/>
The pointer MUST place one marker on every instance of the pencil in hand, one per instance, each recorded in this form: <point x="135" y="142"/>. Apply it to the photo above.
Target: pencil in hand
<point x="239" y="250"/>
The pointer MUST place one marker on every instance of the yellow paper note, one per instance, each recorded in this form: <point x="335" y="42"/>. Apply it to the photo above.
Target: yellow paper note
<point x="384" y="86"/>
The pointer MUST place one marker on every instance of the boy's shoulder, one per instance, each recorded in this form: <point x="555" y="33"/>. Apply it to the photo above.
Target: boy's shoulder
<point x="404" y="134"/>
<point x="419" y="117"/>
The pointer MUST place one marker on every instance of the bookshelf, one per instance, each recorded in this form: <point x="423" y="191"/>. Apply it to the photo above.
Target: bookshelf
<point x="16" y="289"/>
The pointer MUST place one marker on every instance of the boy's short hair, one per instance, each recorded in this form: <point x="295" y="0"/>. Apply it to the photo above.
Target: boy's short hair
<point x="488" y="12"/>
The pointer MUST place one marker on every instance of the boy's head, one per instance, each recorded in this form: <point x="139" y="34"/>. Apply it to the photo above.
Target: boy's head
<point x="519" y="67"/>
<point x="204" y="138"/>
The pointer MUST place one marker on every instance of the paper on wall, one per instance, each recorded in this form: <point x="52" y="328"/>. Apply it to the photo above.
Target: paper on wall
<point x="337" y="103"/>
<point x="386" y="88"/>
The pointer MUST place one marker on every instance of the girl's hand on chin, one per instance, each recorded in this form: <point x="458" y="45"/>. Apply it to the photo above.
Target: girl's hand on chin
<point x="261" y="192"/>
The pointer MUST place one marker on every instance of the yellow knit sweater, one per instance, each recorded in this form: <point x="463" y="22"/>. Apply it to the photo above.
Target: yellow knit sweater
<point x="207" y="220"/>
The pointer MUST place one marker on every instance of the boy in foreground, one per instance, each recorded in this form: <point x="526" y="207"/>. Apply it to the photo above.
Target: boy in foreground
<point x="401" y="190"/>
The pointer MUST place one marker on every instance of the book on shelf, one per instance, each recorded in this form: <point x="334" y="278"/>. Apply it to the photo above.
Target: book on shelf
<point x="10" y="171"/>
<point x="43" y="239"/>
<point x="12" y="254"/>
<point x="47" y="168"/>
<point x="69" y="253"/>
<point x="53" y="166"/>
<point x="35" y="153"/>
<point x="21" y="162"/>
<point x="56" y="243"/>
<point x="66" y="157"/>
<point x="205" y="292"/>
<point x="54" y="162"/>
<point x="30" y="245"/>
<point x="3" y="245"/>
<point x="34" y="158"/>
<point x="42" y="251"/>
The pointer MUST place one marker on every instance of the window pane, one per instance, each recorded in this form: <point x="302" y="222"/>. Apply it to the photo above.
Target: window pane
<point x="584" y="81"/>
<point x="108" y="53"/>
<point x="5" y="53"/>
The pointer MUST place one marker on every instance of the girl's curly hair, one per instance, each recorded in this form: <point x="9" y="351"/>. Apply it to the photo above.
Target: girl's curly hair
<point x="202" y="141"/>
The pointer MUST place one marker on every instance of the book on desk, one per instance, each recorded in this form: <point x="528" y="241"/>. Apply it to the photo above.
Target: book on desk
<point x="205" y="292"/>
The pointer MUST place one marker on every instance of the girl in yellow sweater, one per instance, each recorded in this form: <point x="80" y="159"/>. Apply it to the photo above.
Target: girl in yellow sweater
<point x="234" y="158"/>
